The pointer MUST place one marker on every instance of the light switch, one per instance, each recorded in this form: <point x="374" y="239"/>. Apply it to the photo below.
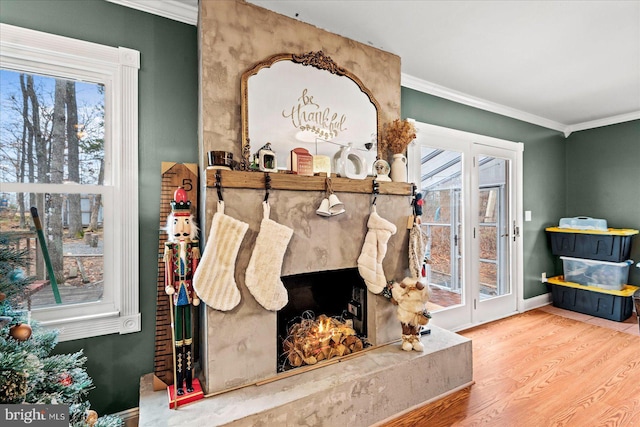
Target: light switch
<point x="527" y="215"/>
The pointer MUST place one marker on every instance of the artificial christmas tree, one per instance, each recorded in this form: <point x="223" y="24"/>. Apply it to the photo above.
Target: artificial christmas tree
<point x="29" y="373"/>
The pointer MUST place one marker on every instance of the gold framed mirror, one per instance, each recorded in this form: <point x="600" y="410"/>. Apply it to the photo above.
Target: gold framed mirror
<point x="307" y="101"/>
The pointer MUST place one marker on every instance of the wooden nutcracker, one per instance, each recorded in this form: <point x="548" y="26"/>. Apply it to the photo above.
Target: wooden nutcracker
<point x="181" y="257"/>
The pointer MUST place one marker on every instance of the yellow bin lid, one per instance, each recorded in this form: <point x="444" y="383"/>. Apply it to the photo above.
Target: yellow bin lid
<point x="626" y="291"/>
<point x="609" y="232"/>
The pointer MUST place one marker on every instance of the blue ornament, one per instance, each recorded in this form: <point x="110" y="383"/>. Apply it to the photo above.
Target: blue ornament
<point x="17" y="275"/>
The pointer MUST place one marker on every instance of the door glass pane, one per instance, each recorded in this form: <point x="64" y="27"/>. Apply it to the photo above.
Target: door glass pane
<point x="441" y="187"/>
<point x="493" y="227"/>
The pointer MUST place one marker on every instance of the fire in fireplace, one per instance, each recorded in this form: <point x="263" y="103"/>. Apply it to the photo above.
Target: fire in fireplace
<point x="313" y="340"/>
<point x="325" y="317"/>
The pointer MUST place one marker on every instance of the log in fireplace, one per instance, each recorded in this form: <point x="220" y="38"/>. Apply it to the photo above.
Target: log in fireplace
<point x="331" y="307"/>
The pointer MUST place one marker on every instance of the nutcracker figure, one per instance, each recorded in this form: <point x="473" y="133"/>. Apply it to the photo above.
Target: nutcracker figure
<point x="181" y="256"/>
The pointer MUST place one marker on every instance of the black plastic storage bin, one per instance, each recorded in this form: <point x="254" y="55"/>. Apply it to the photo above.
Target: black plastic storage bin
<point x="613" y="245"/>
<point x="611" y="305"/>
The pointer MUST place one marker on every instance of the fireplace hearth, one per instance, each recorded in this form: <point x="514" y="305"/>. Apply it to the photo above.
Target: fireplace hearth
<point x="381" y="383"/>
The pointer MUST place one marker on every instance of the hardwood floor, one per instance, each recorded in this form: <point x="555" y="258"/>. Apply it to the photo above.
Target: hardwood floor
<point x="540" y="369"/>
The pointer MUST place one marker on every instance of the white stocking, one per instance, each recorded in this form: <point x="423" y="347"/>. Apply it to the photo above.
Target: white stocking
<point x="263" y="273"/>
<point x="214" y="279"/>
<point x="374" y="250"/>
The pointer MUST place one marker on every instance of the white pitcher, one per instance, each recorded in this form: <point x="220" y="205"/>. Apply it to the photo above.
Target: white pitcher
<point x="399" y="168"/>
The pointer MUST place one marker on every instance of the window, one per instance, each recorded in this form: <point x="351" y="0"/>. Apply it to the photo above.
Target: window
<point x="69" y="147"/>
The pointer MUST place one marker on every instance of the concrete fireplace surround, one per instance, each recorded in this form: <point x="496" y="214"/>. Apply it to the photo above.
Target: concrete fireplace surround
<point x="239" y="346"/>
<point x="241" y="343"/>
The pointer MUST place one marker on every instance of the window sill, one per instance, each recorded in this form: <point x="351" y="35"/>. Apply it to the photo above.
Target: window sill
<point x="93" y="325"/>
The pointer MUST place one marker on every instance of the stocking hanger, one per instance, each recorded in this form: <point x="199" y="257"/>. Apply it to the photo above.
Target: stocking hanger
<point x="218" y="185"/>
<point x="267" y="186"/>
<point x="376" y="191"/>
<point x="416" y="204"/>
<point x="328" y="186"/>
<point x="414" y="189"/>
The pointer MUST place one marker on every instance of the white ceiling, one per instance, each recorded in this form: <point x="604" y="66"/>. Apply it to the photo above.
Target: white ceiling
<point x="565" y="65"/>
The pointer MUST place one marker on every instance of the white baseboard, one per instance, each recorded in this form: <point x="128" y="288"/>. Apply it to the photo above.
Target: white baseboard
<point x="536" y="302"/>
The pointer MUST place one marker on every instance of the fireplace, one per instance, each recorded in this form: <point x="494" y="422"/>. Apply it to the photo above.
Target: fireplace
<point x="240" y="346"/>
<point x="334" y="300"/>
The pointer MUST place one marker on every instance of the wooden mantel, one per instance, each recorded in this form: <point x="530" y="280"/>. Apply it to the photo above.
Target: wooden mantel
<point x="285" y="181"/>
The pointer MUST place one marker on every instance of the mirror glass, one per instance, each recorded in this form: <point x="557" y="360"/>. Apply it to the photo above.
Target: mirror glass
<point x="319" y="107"/>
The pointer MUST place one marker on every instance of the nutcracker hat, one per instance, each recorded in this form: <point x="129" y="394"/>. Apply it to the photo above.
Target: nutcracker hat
<point x="180" y="206"/>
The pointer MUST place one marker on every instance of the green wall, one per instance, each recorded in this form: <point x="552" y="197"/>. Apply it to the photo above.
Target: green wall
<point x="543" y="171"/>
<point x="168" y="112"/>
<point x="603" y="179"/>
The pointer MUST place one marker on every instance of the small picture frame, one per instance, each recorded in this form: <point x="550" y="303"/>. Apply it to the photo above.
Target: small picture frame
<point x="381" y="170"/>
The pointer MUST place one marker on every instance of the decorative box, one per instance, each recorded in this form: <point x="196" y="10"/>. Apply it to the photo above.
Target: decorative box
<point x="301" y="162"/>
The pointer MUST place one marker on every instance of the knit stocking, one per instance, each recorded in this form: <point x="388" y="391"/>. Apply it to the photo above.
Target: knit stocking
<point x="263" y="273"/>
<point x="417" y="248"/>
<point x="374" y="250"/>
<point x="214" y="279"/>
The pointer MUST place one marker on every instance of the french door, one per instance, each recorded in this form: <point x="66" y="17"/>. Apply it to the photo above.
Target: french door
<point x="471" y="187"/>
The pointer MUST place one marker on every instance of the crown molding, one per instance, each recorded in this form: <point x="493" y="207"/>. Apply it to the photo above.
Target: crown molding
<point x="178" y="10"/>
<point x="613" y="120"/>
<point x="462" y="98"/>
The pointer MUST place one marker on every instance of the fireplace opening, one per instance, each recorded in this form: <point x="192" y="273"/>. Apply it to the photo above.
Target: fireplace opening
<point x="326" y="317"/>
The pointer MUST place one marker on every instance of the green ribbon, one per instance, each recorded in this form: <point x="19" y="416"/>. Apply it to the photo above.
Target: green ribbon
<point x="45" y="252"/>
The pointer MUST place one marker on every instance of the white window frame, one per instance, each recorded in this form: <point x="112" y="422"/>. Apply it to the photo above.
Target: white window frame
<point x="117" y="68"/>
